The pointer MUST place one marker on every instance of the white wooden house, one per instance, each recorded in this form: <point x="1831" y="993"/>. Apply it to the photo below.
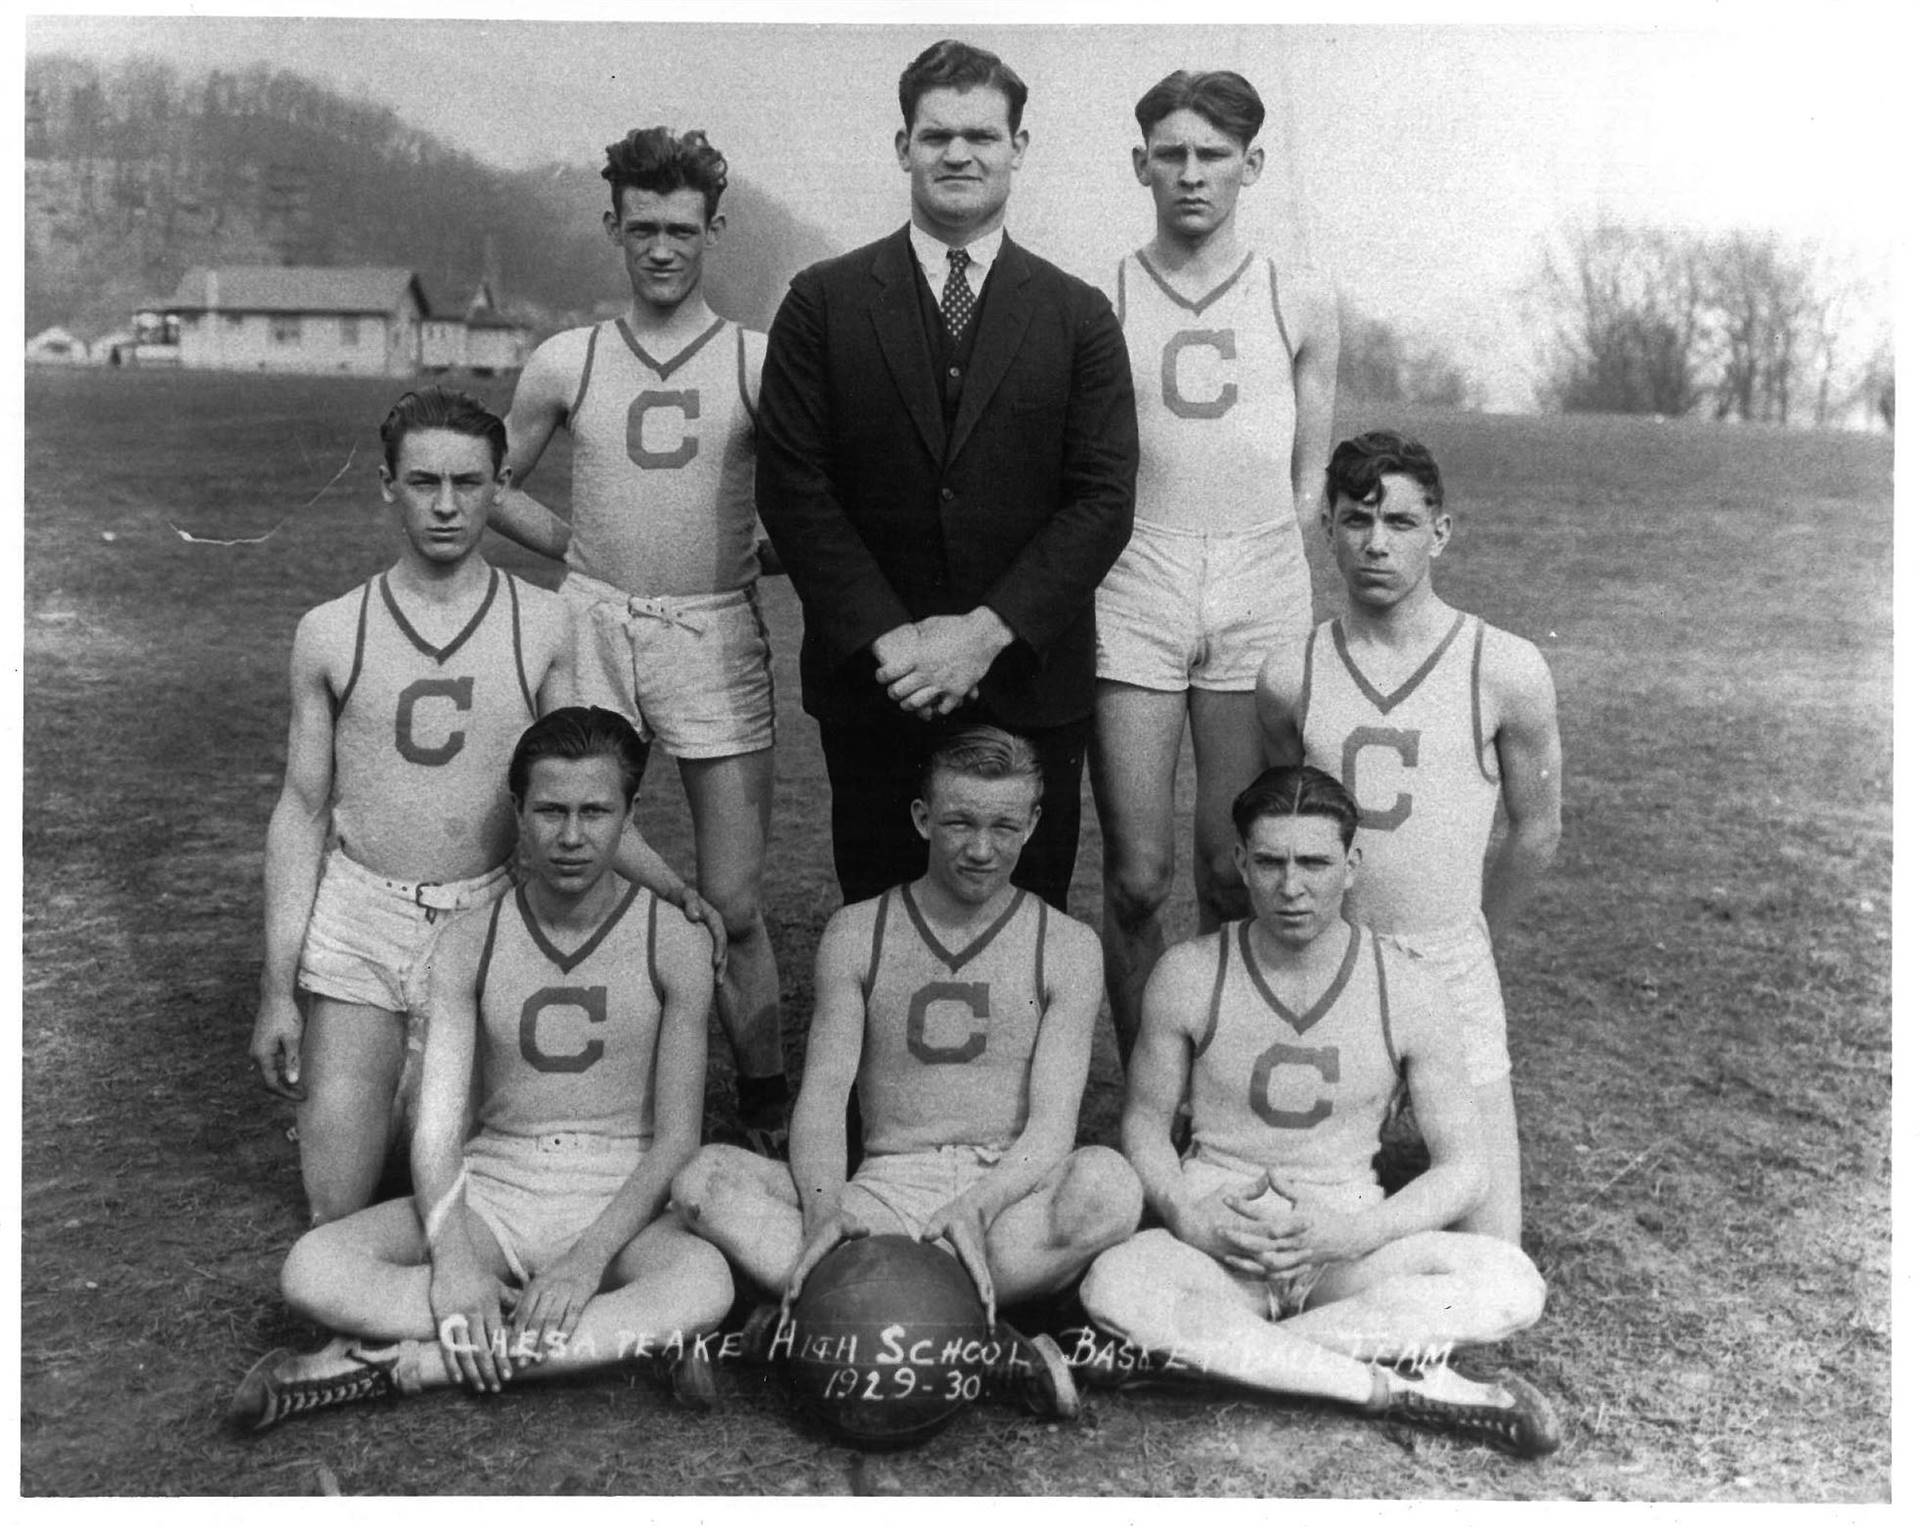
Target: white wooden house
<point x="362" y="320"/>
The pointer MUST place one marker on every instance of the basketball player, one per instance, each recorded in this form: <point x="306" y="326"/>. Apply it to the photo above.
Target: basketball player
<point x="1430" y="717"/>
<point x="1234" y="355"/>
<point x="534" y="1247"/>
<point x="408" y="695"/>
<point x="660" y="551"/>
<point x="962" y="1009"/>
<point x="1278" y="1263"/>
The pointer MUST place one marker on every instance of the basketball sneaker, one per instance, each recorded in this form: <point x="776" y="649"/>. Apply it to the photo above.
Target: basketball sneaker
<point x="1033" y="1371"/>
<point x="691" y="1375"/>
<point x="1507" y="1412"/>
<point x="286" y="1383"/>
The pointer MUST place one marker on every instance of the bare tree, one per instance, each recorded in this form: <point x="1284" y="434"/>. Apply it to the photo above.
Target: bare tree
<point x="1627" y="308"/>
<point x="1764" y="297"/>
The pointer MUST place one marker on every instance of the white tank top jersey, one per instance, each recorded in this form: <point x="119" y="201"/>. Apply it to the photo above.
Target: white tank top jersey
<point x="947" y="1056"/>
<point x="567" y="1040"/>
<point x="422" y="736"/>
<point x="663" y="462"/>
<point x="1213" y="384"/>
<point x="1305" y="1092"/>
<point x="1420" y="765"/>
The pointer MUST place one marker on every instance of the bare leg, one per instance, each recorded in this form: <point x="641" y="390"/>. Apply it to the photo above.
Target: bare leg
<point x="732" y="804"/>
<point x="746" y="1206"/>
<point x="1424" y="1295"/>
<point x="665" y="1288"/>
<point x="368" y="1275"/>
<point x="1498" y="1214"/>
<point x="1172" y="1299"/>
<point x="1044" y="1241"/>
<point x="1227" y="755"/>
<point x="351" y="1057"/>
<point x="1136" y="747"/>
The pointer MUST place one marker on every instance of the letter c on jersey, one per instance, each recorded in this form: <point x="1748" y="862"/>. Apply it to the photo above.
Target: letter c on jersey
<point x="1220" y="342"/>
<point x="972" y="996"/>
<point x="687" y="402"/>
<point x="1324" y="1059"/>
<point x="592" y="1001"/>
<point x="1406" y="744"/>
<point x="459" y="691"/>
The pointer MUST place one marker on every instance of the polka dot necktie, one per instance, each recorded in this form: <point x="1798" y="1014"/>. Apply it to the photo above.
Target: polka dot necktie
<point x="956" y="302"/>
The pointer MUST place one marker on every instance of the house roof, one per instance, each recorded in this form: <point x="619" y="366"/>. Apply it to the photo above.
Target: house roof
<point x="297" y="289"/>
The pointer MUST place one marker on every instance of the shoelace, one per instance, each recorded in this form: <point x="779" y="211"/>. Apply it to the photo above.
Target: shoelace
<point x="311" y="1394"/>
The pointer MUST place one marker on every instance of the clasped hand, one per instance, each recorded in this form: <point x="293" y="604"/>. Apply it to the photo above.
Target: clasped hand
<point x="929" y="667"/>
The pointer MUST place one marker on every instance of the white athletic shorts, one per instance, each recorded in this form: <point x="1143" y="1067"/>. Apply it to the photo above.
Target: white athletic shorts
<point x="1274" y="1299"/>
<point x="536" y="1194"/>
<point x="694" y="673"/>
<point x="369" y="938"/>
<point x="1462" y="957"/>
<point x="900" y="1191"/>
<point x="1201" y="610"/>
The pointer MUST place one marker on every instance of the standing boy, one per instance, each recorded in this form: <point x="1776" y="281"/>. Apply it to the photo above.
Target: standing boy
<point x="1234" y="355"/>
<point x="660" y="551"/>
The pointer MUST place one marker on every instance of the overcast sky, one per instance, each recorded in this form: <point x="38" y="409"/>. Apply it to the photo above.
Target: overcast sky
<point x="1421" y="164"/>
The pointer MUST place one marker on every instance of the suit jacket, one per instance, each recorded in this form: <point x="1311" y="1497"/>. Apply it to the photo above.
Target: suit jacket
<point x="882" y="516"/>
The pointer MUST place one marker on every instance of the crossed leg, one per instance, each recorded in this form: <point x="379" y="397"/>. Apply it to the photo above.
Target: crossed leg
<point x="747" y="1207"/>
<point x="369" y="1277"/>
<point x="1413" y="1298"/>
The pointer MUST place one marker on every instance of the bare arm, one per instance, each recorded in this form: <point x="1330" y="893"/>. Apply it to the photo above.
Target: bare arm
<point x="1316" y="365"/>
<point x="1528" y="742"/>
<point x="540" y="405"/>
<point x="1158" y="1076"/>
<point x="296" y="840"/>
<point x="817" y="1142"/>
<point x="1443" y="1103"/>
<point x="1276" y="701"/>
<point x="468" y="1300"/>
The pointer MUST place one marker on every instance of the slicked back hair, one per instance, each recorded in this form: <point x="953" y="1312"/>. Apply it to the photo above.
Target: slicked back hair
<point x="656" y="159"/>
<point x="1225" y="99"/>
<point x="578" y="732"/>
<point x="951" y="65"/>
<point x="442" y="408"/>
<point x="1296" y="790"/>
<point x="1358" y="465"/>
<point x="982" y="753"/>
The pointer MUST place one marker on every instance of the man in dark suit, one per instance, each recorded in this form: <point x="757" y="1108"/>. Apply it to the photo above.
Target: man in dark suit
<point x="947" y="451"/>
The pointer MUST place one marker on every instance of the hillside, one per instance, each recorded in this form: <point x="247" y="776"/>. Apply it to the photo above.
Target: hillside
<point x="135" y="174"/>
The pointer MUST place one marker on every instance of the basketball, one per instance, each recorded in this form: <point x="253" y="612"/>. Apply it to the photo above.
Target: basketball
<point x="889" y="1341"/>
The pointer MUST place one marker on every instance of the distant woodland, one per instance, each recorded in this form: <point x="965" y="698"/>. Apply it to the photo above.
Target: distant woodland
<point x="136" y="172"/>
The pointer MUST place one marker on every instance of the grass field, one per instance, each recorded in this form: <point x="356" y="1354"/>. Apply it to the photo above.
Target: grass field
<point x="1700" y="999"/>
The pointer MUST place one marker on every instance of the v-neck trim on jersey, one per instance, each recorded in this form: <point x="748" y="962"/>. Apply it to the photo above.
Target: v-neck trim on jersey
<point x="1385" y="703"/>
<point x="439" y="654"/>
<point x="1187" y="302"/>
<point x="552" y="951"/>
<point x="952" y="961"/>
<point x="1300" y="1022"/>
<point x="666" y="368"/>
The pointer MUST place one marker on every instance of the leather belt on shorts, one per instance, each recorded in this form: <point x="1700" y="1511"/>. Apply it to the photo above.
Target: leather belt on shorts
<point x="661" y="610"/>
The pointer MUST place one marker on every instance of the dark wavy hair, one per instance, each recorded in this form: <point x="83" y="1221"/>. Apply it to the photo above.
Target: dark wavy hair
<point x="951" y="65"/>
<point x="656" y="159"/>
<point x="1358" y="465"/>
<point x="578" y="732"/>
<point x="441" y="408"/>
<point x="1222" y="97"/>
<point x="1296" y="790"/>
